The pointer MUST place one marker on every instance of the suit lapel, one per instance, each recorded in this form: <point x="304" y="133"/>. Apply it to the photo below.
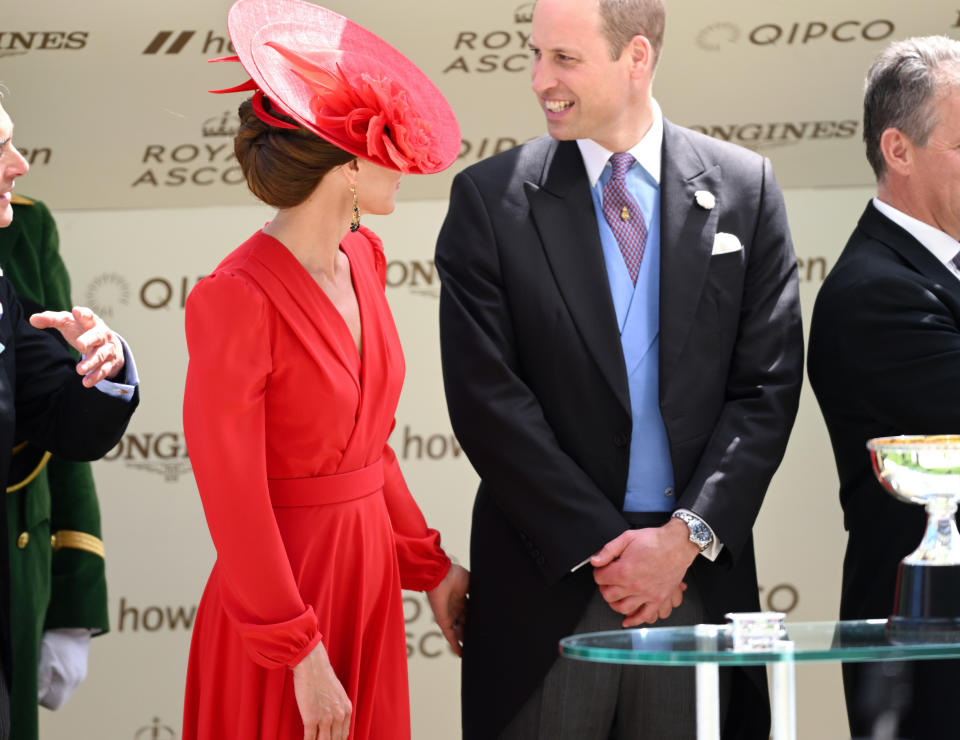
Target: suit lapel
<point x="686" y="242"/>
<point x="881" y="228"/>
<point x="562" y="210"/>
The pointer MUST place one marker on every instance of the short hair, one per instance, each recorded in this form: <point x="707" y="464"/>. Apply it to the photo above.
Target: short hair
<point x="902" y="89"/>
<point x="621" y="20"/>
<point x="282" y="166"/>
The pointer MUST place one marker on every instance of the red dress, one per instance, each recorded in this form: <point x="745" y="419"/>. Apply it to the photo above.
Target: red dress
<point x="314" y="527"/>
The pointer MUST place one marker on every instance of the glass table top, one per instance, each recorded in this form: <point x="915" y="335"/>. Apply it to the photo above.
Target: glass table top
<point x="850" y="641"/>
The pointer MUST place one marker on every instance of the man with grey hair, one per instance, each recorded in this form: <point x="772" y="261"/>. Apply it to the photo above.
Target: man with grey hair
<point x="622" y="358"/>
<point x="885" y="354"/>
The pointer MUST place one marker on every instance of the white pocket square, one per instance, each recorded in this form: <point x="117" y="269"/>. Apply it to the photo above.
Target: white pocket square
<point x="724" y="243"/>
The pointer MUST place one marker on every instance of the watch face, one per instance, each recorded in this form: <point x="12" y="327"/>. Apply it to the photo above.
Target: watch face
<point x="700" y="533"/>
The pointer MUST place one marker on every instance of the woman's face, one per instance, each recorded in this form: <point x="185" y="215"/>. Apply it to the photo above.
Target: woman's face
<point x="376" y="188"/>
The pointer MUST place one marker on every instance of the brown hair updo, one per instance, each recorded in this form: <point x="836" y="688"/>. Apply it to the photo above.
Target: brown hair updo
<point x="282" y="166"/>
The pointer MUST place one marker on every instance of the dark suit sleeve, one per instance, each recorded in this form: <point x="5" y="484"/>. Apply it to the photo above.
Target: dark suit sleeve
<point x="894" y="335"/>
<point x="557" y="510"/>
<point x="54" y="410"/>
<point x="763" y="382"/>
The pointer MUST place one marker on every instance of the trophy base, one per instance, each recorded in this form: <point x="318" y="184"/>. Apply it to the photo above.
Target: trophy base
<point x="927" y="604"/>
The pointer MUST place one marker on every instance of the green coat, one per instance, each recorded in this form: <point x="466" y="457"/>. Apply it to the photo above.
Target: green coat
<point x="51" y="585"/>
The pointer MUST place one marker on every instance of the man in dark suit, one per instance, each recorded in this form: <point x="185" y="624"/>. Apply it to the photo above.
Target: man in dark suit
<point x="622" y="357"/>
<point x="885" y="355"/>
<point x="77" y="411"/>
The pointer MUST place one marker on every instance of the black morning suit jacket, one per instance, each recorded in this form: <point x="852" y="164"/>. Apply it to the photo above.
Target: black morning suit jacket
<point x="537" y="390"/>
<point x="43" y="400"/>
<point x="884" y="360"/>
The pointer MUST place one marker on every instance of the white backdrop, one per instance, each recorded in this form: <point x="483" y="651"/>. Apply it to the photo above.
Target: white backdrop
<point x="134" y="159"/>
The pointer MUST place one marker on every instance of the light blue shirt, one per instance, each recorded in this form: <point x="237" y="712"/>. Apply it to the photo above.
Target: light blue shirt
<point x="650" y="476"/>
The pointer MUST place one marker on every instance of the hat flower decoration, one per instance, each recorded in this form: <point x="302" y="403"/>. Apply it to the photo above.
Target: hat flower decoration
<point x="343" y="83"/>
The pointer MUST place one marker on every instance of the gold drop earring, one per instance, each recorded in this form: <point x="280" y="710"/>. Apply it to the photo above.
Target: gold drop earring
<point x="355" y="221"/>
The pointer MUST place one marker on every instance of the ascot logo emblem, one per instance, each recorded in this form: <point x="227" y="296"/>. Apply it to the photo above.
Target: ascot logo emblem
<point x="225" y="125"/>
<point x="494" y="51"/>
<point x="155" y="731"/>
<point x="523" y="13"/>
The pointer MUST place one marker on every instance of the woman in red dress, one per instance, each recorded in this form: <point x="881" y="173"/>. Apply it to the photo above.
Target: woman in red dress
<point x="294" y="376"/>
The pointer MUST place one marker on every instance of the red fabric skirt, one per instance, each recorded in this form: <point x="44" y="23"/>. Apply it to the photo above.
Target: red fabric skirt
<point x="343" y="557"/>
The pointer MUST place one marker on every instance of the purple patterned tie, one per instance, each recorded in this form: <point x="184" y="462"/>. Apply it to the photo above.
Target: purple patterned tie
<point x="956" y="260"/>
<point x="623" y="214"/>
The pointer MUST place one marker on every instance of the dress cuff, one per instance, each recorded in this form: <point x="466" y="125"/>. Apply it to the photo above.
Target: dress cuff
<point x="423" y="563"/>
<point x="281" y="644"/>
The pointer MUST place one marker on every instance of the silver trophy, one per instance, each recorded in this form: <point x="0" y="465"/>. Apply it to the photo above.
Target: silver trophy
<point x="925" y="470"/>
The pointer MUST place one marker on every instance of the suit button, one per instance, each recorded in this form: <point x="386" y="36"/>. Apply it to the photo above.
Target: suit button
<point x="620" y="439"/>
<point x="23" y="540"/>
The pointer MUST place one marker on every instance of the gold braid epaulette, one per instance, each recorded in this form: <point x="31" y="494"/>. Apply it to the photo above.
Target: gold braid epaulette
<point x="76" y="541"/>
<point x="34" y="473"/>
<point x="21" y="200"/>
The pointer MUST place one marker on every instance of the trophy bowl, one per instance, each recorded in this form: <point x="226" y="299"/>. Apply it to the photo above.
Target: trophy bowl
<point x="925" y="470"/>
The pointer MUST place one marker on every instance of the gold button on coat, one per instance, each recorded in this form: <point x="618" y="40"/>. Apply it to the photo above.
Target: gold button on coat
<point x="23" y="540"/>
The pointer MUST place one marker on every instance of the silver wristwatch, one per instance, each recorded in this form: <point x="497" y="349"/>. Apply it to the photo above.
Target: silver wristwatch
<point x="700" y="534"/>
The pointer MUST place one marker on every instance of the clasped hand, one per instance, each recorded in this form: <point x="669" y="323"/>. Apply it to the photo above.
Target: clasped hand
<point x="641" y="572"/>
<point x="88" y="334"/>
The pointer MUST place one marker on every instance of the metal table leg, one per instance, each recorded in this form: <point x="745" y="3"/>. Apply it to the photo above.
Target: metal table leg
<point x="784" y="700"/>
<point x="708" y="701"/>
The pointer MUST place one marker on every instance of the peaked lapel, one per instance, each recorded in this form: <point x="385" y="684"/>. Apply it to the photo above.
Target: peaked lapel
<point x="686" y="241"/>
<point x="563" y="213"/>
<point x="881" y="228"/>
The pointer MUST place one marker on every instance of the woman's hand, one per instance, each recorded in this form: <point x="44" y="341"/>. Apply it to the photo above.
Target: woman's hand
<point x="324" y="705"/>
<point x="449" y="603"/>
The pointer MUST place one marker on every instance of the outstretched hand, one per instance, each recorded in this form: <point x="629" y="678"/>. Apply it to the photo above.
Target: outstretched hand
<point x="449" y="604"/>
<point x="90" y="336"/>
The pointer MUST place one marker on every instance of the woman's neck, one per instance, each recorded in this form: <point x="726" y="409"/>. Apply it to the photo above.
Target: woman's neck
<point x="313" y="230"/>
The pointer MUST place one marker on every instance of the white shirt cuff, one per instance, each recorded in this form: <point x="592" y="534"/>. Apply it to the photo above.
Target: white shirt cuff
<point x="131" y="379"/>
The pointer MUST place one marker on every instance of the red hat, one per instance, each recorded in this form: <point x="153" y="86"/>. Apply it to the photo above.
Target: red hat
<point x="343" y="83"/>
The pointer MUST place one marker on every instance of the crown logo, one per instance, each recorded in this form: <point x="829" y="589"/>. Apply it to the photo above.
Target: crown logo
<point x="523" y="13"/>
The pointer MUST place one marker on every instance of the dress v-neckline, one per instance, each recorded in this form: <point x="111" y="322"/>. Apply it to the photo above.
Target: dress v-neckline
<point x="359" y="353"/>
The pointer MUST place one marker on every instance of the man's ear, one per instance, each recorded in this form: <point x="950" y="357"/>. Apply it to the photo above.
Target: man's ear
<point x="897" y="150"/>
<point x="640" y="53"/>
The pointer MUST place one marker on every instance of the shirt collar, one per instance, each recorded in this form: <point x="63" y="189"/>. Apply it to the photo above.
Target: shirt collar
<point x="647" y="151"/>
<point x="943" y="246"/>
